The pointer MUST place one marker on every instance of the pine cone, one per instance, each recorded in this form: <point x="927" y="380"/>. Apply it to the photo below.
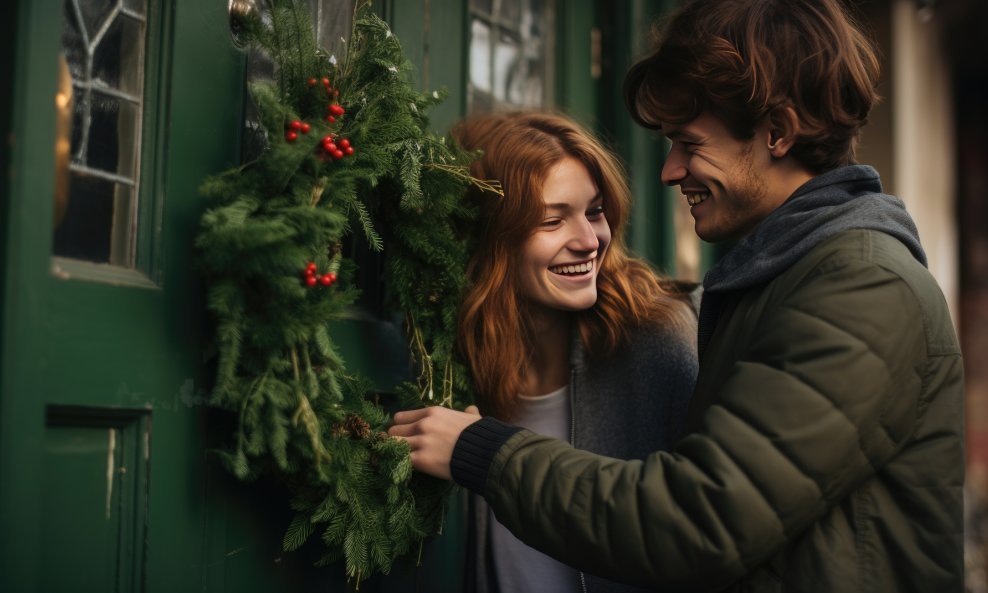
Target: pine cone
<point x="356" y="427"/>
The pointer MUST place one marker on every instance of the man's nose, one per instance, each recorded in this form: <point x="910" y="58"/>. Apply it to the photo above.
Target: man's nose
<point x="674" y="169"/>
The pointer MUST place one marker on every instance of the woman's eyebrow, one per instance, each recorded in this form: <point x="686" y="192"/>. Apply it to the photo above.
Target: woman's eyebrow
<point x="565" y="206"/>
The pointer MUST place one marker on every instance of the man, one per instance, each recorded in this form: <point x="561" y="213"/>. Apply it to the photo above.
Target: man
<point x="825" y="445"/>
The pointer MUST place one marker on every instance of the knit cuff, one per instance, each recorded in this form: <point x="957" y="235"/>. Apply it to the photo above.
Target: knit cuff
<point x="474" y="451"/>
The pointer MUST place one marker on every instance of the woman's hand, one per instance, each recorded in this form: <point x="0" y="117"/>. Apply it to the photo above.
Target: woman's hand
<point x="432" y="433"/>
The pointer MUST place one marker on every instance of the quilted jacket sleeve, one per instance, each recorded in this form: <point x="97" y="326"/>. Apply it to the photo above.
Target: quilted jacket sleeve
<point x="822" y="393"/>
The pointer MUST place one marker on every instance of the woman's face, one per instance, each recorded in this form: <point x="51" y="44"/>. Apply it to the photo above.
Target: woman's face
<point x="561" y="257"/>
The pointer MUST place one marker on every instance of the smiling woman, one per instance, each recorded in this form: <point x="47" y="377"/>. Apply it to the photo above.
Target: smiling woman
<point x="564" y="332"/>
<point x="558" y="271"/>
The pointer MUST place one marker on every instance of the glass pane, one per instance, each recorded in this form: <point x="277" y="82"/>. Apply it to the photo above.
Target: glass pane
<point x="506" y="65"/>
<point x="104" y="133"/>
<point x="480" y="103"/>
<point x="118" y="57"/>
<point x="510" y="56"/>
<point x="510" y="9"/>
<point x="480" y="55"/>
<point x="534" y="20"/>
<point x="94" y="14"/>
<point x="136" y="6"/>
<point x="332" y="21"/>
<point x="482" y="6"/>
<point x="103" y="43"/>
<point x="86" y="231"/>
<point x="74" y="45"/>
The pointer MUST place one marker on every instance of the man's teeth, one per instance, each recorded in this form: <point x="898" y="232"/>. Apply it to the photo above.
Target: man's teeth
<point x="695" y="198"/>
<point x="573" y="269"/>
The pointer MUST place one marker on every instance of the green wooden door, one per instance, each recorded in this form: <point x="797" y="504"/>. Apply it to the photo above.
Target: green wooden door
<point x="105" y="483"/>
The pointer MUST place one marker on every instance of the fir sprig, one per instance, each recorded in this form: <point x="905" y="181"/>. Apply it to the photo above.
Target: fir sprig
<point x="299" y="412"/>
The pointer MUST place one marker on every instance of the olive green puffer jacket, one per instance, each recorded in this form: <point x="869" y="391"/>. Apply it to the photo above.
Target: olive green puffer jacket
<point x="826" y="452"/>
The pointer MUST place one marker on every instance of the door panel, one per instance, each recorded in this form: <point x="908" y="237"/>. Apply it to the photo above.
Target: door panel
<point x="94" y="498"/>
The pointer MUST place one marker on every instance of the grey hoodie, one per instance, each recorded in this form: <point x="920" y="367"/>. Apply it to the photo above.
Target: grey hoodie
<point x="839" y="200"/>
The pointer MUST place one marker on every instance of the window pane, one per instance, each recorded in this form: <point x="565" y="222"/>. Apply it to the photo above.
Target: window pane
<point x="94" y="13"/>
<point x="510" y="57"/>
<point x="506" y="65"/>
<point x="509" y="11"/>
<point x="117" y="60"/>
<point x="482" y="6"/>
<point x="103" y="43"/>
<point x="480" y="55"/>
<point x="96" y="204"/>
<point x="136" y="6"/>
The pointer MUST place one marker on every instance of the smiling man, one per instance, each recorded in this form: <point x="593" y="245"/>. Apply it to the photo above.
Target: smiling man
<point x="825" y="447"/>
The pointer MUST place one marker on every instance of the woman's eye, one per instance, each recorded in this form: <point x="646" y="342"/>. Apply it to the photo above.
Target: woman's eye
<point x="551" y="222"/>
<point x="595" y="212"/>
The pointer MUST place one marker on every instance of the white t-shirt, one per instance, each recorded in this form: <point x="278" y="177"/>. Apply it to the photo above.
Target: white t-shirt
<point x="520" y="568"/>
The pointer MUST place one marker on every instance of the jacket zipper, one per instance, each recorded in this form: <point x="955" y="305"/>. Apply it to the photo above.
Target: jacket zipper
<point x="572" y="441"/>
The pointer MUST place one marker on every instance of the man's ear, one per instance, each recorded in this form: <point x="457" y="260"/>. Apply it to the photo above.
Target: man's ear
<point x="783" y="129"/>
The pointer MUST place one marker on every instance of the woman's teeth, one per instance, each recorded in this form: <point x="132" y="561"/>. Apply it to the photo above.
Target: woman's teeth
<point x="696" y="198"/>
<point x="572" y="269"/>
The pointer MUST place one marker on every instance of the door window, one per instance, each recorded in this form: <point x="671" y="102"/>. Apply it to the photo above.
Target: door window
<point x="103" y="45"/>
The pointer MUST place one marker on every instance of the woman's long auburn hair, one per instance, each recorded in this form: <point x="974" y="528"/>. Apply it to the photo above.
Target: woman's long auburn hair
<point x="495" y="334"/>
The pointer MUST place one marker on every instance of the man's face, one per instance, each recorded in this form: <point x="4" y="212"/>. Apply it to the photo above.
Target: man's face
<point x="722" y="178"/>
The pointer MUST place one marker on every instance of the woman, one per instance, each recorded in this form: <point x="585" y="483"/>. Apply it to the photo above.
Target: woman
<point x="564" y="332"/>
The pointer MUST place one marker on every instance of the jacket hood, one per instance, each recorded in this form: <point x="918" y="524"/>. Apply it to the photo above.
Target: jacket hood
<point x="847" y="198"/>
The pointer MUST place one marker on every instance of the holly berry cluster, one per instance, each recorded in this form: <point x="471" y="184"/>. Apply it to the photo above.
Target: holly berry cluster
<point x="294" y="128"/>
<point x="312" y="277"/>
<point x="335" y="149"/>
<point x="331" y="148"/>
<point x="334" y="109"/>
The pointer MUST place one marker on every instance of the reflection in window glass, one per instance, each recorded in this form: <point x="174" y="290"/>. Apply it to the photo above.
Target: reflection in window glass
<point x="510" y="54"/>
<point x="103" y="43"/>
<point x="480" y="55"/>
<point x="506" y="65"/>
<point x="482" y="6"/>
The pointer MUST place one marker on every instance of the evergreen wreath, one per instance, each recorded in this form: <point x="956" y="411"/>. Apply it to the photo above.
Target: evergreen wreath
<point x="347" y="148"/>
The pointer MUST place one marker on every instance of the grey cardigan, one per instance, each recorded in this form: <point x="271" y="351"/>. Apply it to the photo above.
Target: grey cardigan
<point x="627" y="406"/>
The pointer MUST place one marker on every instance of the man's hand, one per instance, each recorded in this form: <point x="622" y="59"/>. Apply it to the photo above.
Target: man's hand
<point x="432" y="433"/>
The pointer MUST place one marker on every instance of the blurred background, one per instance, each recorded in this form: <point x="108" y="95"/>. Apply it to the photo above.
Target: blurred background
<point x="113" y="111"/>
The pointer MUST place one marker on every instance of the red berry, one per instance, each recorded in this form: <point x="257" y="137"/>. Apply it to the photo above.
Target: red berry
<point x="332" y="277"/>
<point x="336" y="93"/>
<point x="295" y="125"/>
<point x="311" y="268"/>
<point x="336" y="109"/>
<point x="326" y="279"/>
<point x="312" y="82"/>
<point x="348" y="150"/>
<point x="330" y="147"/>
<point x="345" y="143"/>
<point x="291" y="136"/>
<point x="305" y="128"/>
<point x="337" y="154"/>
<point x="310" y="280"/>
<point x="325" y="82"/>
